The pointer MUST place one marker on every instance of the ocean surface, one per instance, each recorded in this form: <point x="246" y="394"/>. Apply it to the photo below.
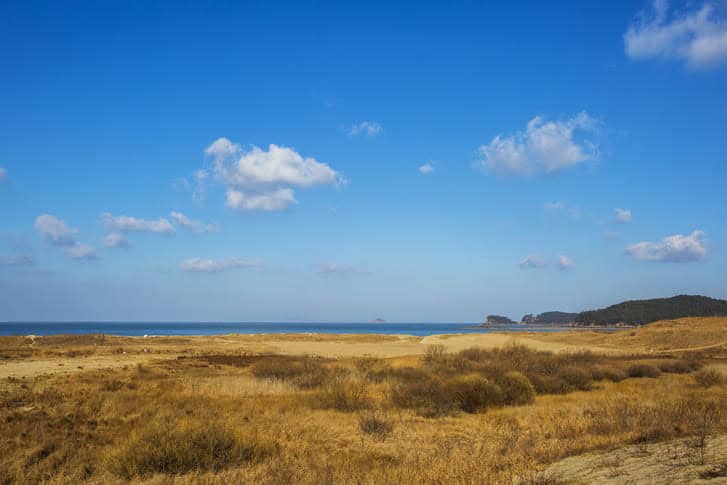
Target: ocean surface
<point x="213" y="328"/>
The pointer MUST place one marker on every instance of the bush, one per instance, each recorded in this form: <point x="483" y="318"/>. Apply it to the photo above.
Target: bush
<point x="608" y="373"/>
<point x="516" y="389"/>
<point x="375" y="424"/>
<point x="428" y="396"/>
<point x="373" y="369"/>
<point x="679" y="366"/>
<point x="433" y="354"/>
<point x="473" y="394"/>
<point x="643" y="370"/>
<point x="185" y="446"/>
<point x="304" y="372"/>
<point x="709" y="378"/>
<point x="548" y="384"/>
<point x="344" y="394"/>
<point x="576" y="378"/>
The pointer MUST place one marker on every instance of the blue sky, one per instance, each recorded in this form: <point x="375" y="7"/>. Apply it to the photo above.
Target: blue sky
<point x="317" y="161"/>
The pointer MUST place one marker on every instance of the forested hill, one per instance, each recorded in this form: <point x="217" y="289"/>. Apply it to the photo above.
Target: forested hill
<point x="638" y="312"/>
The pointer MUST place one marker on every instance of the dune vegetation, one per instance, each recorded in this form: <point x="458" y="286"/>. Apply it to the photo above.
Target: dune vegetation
<point x="478" y="415"/>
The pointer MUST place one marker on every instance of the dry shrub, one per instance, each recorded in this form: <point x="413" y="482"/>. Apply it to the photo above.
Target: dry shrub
<point x="608" y="373"/>
<point x="372" y="368"/>
<point x="680" y="366"/>
<point x="304" y="372"/>
<point x="433" y="354"/>
<point x="343" y="394"/>
<point x="428" y="396"/>
<point x="709" y="378"/>
<point x="474" y="393"/>
<point x="516" y="389"/>
<point x="576" y="378"/>
<point x="643" y="370"/>
<point x="184" y="446"/>
<point x="376" y="425"/>
<point x="545" y="384"/>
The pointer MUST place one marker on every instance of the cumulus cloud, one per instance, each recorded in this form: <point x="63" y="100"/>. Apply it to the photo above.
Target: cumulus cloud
<point x="427" y="168"/>
<point x="532" y="261"/>
<point x="697" y="36"/>
<point x="334" y="269"/>
<point x="133" y="224"/>
<point x="258" y="179"/>
<point x="199" y="265"/>
<point x="3" y="175"/>
<point x="81" y="252"/>
<point x="116" y="240"/>
<point x="367" y="128"/>
<point x="623" y="215"/>
<point x="564" y="262"/>
<point x="55" y="230"/>
<point x="193" y="225"/>
<point x="544" y="147"/>
<point x="673" y="249"/>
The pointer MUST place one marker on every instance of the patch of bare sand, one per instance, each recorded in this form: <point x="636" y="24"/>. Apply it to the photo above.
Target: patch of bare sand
<point x="672" y="462"/>
<point x="32" y="368"/>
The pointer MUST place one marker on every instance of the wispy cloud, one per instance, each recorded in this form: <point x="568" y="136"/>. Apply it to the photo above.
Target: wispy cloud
<point x="367" y="128"/>
<point x="697" y="36"/>
<point x="81" y="252"/>
<point x="16" y="260"/>
<point x="199" y="265"/>
<point x="193" y="225"/>
<point x="558" y="206"/>
<point x="133" y="224"/>
<point x="672" y="249"/>
<point x="3" y="175"/>
<point x="623" y="215"/>
<point x="263" y="180"/>
<point x="532" y="261"/>
<point x="335" y="269"/>
<point x="544" y="147"/>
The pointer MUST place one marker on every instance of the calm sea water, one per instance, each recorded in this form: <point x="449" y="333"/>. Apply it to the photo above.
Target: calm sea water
<point x="212" y="328"/>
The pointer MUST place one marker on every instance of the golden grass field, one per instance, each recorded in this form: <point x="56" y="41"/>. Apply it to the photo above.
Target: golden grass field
<point x="646" y="405"/>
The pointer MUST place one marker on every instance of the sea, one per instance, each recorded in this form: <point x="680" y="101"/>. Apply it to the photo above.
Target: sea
<point x="217" y="328"/>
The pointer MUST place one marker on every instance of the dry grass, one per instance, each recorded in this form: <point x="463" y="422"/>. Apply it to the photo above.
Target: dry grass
<point x="236" y="416"/>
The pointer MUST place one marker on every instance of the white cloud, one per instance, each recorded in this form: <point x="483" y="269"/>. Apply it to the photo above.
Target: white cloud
<point x="427" y="168"/>
<point x="674" y="249"/>
<point x="132" y="224"/>
<point x="554" y="205"/>
<point x="200" y="265"/>
<point x="55" y="230"/>
<point x="532" y="261"/>
<point x="81" y="252"/>
<point x="258" y="179"/>
<point x="276" y="200"/>
<point x="187" y="223"/>
<point x="3" y="175"/>
<point x="698" y="37"/>
<point x="368" y="128"/>
<point x="564" y="262"/>
<point x="544" y="147"/>
<point x="16" y="260"/>
<point x="623" y="215"/>
<point x="116" y="240"/>
<point x="334" y="269"/>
